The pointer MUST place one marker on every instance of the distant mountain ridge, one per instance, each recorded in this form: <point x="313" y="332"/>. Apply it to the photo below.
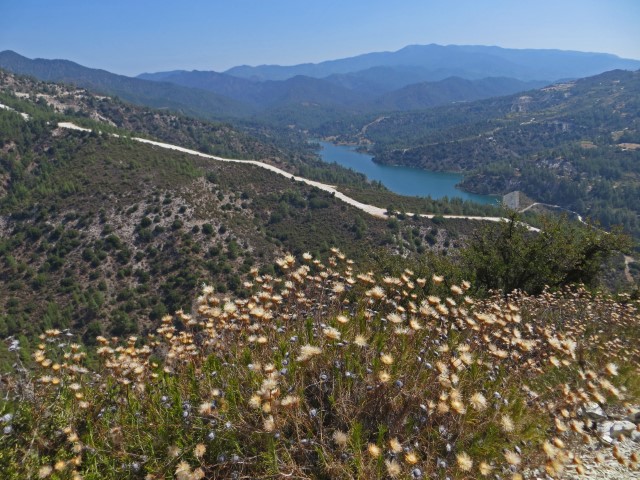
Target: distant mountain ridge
<point x="413" y="78"/>
<point x="263" y="94"/>
<point x="153" y="94"/>
<point x="453" y="89"/>
<point x="436" y="62"/>
<point x="214" y="95"/>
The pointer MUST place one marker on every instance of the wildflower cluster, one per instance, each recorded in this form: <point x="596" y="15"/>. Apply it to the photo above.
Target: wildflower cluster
<point x="327" y="372"/>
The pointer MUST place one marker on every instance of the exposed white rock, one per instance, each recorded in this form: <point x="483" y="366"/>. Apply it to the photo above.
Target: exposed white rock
<point x="594" y="411"/>
<point x="622" y="427"/>
<point x="609" y="431"/>
<point x="604" y="431"/>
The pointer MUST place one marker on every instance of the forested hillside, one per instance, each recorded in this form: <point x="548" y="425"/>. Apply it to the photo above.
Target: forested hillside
<point x="575" y="144"/>
<point x="106" y="235"/>
<point x="285" y="148"/>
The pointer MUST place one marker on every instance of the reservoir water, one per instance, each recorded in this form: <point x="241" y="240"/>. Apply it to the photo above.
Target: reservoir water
<point x="402" y="180"/>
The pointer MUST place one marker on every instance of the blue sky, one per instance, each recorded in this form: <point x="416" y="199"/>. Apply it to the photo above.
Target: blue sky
<point x="135" y="36"/>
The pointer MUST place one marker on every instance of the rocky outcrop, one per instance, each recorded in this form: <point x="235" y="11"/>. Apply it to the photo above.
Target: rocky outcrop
<point x="612" y="457"/>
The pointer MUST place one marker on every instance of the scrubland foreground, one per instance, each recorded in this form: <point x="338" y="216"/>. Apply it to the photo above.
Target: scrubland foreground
<point x="327" y="372"/>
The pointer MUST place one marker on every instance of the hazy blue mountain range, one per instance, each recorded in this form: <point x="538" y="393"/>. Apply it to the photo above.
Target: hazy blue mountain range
<point x="436" y="62"/>
<point x="219" y="96"/>
<point x="413" y="78"/>
<point x="329" y="92"/>
<point x="452" y="89"/>
<point x="265" y="94"/>
<point x="154" y="94"/>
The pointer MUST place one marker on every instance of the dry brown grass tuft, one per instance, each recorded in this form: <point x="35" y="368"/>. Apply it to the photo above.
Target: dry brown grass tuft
<point x="326" y="372"/>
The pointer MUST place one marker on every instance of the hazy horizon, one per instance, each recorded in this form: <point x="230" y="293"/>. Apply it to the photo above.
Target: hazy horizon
<point x="148" y="36"/>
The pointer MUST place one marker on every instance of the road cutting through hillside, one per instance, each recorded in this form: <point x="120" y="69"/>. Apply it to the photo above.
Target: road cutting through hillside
<point x="370" y="209"/>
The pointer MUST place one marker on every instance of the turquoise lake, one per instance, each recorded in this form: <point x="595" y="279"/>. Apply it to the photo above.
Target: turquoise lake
<point x="402" y="180"/>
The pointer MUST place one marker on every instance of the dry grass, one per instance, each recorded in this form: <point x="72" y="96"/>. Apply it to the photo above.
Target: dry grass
<point x="325" y="372"/>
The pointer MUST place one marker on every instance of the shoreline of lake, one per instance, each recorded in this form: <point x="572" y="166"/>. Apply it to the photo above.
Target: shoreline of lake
<point x="409" y="181"/>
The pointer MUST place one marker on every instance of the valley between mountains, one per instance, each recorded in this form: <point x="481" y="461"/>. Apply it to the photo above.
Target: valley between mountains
<point x="187" y="291"/>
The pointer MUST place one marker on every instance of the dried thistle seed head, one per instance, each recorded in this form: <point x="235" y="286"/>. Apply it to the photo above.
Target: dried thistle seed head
<point x="386" y="359"/>
<point x="485" y="468"/>
<point x="45" y="471"/>
<point x="414" y="324"/>
<point x="269" y="424"/>
<point x="290" y="401"/>
<point x="199" y="450"/>
<point x="560" y="425"/>
<point x="331" y="333"/>
<point x="377" y="293"/>
<point x="394" y="445"/>
<point x="506" y="423"/>
<point x="549" y="450"/>
<point x="255" y="401"/>
<point x="360" y="341"/>
<point x="411" y="458"/>
<point x="458" y="407"/>
<point x="611" y="369"/>
<point x="197" y="474"/>
<point x="478" y="401"/>
<point x="340" y="438"/>
<point x="374" y="450"/>
<point x="512" y="458"/>
<point x="393" y="468"/>
<point x="183" y="470"/>
<point x="307" y="352"/>
<point x="464" y="462"/>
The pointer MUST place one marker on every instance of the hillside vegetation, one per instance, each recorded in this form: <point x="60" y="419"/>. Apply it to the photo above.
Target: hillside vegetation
<point x="142" y="92"/>
<point x="289" y="150"/>
<point x="106" y="235"/>
<point x="573" y="144"/>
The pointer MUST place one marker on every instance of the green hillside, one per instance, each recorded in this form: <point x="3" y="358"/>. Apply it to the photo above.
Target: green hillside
<point x="574" y="144"/>
<point x="106" y="235"/>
